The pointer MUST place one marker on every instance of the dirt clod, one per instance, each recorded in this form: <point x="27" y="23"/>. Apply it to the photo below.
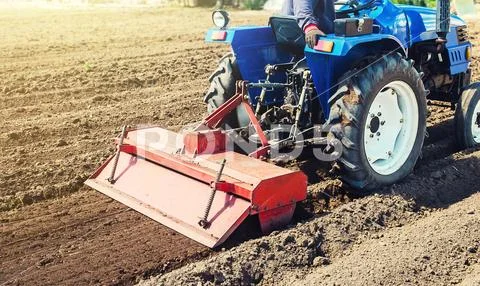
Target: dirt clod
<point x="61" y="143"/>
<point x="289" y="247"/>
<point x="13" y="135"/>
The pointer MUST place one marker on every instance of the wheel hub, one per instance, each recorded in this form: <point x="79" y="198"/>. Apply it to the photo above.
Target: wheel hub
<point x="391" y="127"/>
<point x="374" y="124"/>
<point x="384" y="126"/>
<point x="476" y="124"/>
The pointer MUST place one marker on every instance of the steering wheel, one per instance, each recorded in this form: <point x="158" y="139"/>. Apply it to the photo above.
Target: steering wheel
<point x="354" y="6"/>
<point x="351" y="3"/>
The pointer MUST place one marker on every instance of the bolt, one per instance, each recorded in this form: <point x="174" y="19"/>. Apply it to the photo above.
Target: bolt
<point x="378" y="133"/>
<point x="371" y="135"/>
<point x="372" y="115"/>
<point x="379" y="114"/>
<point x="382" y="123"/>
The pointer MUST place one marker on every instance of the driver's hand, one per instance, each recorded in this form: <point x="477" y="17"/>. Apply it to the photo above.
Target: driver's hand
<point x="311" y="36"/>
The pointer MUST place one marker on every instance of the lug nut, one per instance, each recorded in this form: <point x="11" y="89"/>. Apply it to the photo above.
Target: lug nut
<point x="389" y="153"/>
<point x="401" y="120"/>
<point x="379" y="114"/>
<point x="382" y="123"/>
<point x="378" y="133"/>
<point x="371" y="135"/>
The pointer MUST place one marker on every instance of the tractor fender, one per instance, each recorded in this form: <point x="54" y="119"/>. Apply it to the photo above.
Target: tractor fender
<point x="328" y="68"/>
<point x="241" y="36"/>
<point x="248" y="36"/>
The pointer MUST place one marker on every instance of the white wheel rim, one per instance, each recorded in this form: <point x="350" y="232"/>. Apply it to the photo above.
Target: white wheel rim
<point x="475" y="125"/>
<point x="391" y="127"/>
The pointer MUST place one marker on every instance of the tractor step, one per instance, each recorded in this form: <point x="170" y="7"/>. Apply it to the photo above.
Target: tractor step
<point x="156" y="177"/>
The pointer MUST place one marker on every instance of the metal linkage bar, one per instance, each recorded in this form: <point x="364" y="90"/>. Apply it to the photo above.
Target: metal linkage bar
<point x="214" y="120"/>
<point x="111" y="178"/>
<point x="299" y="107"/>
<point x="267" y="85"/>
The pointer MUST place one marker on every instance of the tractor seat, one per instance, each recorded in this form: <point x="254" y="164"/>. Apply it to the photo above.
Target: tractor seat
<point x="288" y="34"/>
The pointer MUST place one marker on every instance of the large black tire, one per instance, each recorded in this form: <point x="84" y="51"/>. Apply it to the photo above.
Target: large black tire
<point x="360" y="89"/>
<point x="466" y="115"/>
<point x="222" y="88"/>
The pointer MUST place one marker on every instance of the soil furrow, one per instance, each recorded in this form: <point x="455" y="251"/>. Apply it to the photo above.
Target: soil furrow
<point x="69" y="80"/>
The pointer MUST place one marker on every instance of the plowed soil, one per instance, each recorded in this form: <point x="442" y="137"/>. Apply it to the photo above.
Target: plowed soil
<point x="69" y="78"/>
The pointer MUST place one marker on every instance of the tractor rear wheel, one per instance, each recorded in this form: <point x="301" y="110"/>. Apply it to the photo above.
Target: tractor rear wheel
<point x="382" y="122"/>
<point x="467" y="117"/>
<point x="222" y="88"/>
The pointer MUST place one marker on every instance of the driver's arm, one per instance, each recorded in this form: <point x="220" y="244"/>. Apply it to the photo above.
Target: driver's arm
<point x="304" y="11"/>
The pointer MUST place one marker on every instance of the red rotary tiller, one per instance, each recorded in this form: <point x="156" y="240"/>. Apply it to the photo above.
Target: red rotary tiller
<point x="192" y="184"/>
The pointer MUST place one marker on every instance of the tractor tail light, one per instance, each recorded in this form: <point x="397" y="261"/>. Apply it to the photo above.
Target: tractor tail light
<point x="219" y="35"/>
<point x="324" y="46"/>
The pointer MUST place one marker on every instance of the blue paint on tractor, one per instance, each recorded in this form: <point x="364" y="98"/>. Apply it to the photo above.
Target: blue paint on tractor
<point x="255" y="47"/>
<point x="397" y="28"/>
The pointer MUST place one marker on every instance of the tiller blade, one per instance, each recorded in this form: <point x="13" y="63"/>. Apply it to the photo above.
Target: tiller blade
<point x="189" y="183"/>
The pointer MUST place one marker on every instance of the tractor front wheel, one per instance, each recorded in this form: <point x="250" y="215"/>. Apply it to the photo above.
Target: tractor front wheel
<point x="467" y="117"/>
<point x="382" y="122"/>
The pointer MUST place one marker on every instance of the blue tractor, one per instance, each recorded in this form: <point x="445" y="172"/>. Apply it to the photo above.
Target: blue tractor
<point x="365" y="87"/>
<point x="359" y="97"/>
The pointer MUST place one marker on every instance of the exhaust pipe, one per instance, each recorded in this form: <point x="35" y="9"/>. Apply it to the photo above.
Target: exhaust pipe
<point x="443" y="20"/>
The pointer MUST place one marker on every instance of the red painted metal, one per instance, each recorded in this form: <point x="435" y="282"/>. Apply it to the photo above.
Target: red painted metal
<point x="276" y="218"/>
<point x="255" y="123"/>
<point x="153" y="178"/>
<point x="205" y="141"/>
<point x="172" y="199"/>
<point x="214" y="120"/>
<point x="169" y="178"/>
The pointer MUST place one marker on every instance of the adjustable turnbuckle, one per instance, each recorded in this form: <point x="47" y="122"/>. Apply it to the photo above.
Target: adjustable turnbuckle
<point x="204" y="222"/>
